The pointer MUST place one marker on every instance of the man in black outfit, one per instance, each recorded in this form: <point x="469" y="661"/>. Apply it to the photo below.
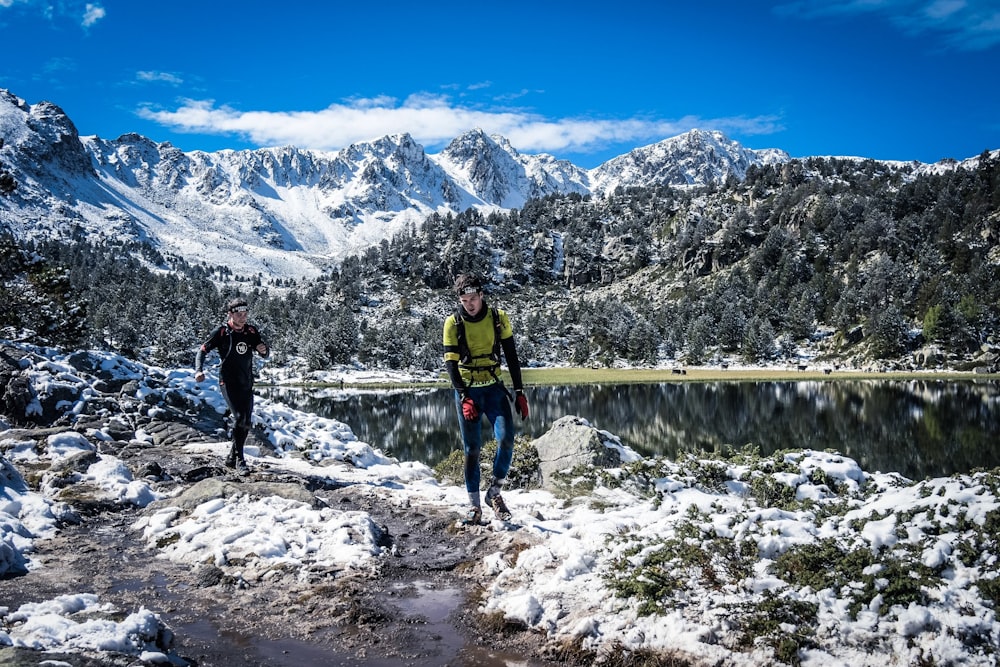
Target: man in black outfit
<point x="235" y="342"/>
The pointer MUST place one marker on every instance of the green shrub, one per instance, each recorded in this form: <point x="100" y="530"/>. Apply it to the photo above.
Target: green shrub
<point x="669" y="565"/>
<point x="822" y="564"/>
<point x="525" y="470"/>
<point x="770" y="492"/>
<point x="901" y="580"/>
<point x="766" y="622"/>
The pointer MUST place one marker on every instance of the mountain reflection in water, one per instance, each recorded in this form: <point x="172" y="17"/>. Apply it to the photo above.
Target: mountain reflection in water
<point x="920" y="428"/>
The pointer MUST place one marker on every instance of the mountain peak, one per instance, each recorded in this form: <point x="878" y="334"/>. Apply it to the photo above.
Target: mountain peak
<point x="696" y="157"/>
<point x="291" y="212"/>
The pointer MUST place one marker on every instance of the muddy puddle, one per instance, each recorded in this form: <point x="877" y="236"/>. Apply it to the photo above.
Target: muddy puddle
<point x="425" y="631"/>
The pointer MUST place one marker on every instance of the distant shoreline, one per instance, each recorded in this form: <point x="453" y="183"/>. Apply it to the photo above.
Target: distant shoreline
<point x="568" y="376"/>
<point x="741" y="374"/>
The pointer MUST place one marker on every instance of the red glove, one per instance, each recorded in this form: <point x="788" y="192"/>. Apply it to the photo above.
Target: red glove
<point x="521" y="405"/>
<point x="469" y="409"/>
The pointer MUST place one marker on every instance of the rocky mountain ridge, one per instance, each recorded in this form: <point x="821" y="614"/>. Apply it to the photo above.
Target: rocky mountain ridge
<point x="292" y="212"/>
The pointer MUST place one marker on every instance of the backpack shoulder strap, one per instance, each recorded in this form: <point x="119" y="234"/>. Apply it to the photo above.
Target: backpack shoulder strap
<point x="463" y="345"/>
<point x="495" y="314"/>
<point x="224" y="333"/>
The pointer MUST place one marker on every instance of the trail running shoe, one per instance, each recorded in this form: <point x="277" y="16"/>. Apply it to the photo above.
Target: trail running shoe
<point x="241" y="467"/>
<point x="473" y="516"/>
<point x="500" y="507"/>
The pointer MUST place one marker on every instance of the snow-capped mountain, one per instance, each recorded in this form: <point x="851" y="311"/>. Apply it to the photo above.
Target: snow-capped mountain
<point x="499" y="175"/>
<point x="694" y="158"/>
<point x="291" y="212"/>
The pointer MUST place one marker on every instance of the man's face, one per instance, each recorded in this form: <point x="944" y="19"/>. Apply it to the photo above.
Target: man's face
<point x="472" y="303"/>
<point x="238" y="318"/>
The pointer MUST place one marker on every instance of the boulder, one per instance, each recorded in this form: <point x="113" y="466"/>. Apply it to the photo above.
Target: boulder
<point x="573" y="441"/>
<point x="17" y="398"/>
<point x="929" y="357"/>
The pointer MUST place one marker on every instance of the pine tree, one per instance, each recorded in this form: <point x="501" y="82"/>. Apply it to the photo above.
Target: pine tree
<point x="886" y="332"/>
<point x="758" y="343"/>
<point x="40" y="304"/>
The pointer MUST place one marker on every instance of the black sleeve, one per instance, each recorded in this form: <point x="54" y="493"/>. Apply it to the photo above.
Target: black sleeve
<point x="513" y="363"/>
<point x="208" y="345"/>
<point x="455" y="376"/>
<point x="260" y="339"/>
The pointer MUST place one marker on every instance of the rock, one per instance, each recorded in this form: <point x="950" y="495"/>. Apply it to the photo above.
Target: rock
<point x="572" y="442"/>
<point x="111" y="386"/>
<point x="82" y="361"/>
<point x="152" y="471"/>
<point x="929" y="357"/>
<point x="175" y="399"/>
<point x="169" y="434"/>
<point x="57" y="398"/>
<point x="119" y="430"/>
<point x="208" y="575"/>
<point x="65" y="471"/>
<point x="212" y="488"/>
<point x="17" y="396"/>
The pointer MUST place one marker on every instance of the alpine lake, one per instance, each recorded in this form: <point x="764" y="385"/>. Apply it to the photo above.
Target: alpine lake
<point x="921" y="426"/>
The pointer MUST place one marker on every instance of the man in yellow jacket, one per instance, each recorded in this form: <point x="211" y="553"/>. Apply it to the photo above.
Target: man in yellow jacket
<point x="473" y="340"/>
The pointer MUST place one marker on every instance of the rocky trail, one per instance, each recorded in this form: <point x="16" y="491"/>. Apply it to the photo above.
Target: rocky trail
<point x="417" y="606"/>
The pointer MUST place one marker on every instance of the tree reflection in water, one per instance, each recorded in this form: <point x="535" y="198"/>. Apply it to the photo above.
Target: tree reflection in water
<point x="920" y="428"/>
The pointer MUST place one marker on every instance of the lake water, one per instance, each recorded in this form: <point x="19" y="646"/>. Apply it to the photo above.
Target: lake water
<point x="920" y="428"/>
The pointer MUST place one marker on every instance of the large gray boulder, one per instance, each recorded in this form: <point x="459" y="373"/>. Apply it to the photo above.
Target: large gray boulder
<point x="573" y="441"/>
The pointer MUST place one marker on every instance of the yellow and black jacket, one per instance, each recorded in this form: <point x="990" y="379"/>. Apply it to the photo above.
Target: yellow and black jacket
<point x="472" y="348"/>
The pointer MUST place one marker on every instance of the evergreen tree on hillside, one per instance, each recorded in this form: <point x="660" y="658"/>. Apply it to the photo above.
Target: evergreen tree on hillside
<point x="39" y="302"/>
<point x="793" y="250"/>
<point x="886" y="332"/>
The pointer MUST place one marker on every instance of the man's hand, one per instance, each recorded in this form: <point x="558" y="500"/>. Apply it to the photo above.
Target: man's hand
<point x="469" y="409"/>
<point x="199" y="376"/>
<point x="521" y="405"/>
<point x="262" y="349"/>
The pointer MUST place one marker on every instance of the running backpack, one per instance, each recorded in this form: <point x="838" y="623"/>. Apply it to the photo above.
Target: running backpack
<point x="465" y="355"/>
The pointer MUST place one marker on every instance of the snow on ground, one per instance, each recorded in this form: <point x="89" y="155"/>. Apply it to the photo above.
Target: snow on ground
<point x="801" y="556"/>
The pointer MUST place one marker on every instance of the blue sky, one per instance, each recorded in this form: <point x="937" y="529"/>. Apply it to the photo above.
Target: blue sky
<point x="583" y="81"/>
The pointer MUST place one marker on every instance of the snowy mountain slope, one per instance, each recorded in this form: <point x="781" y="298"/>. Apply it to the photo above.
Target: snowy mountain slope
<point x="286" y="212"/>
<point x="692" y="158"/>
<point x="492" y="168"/>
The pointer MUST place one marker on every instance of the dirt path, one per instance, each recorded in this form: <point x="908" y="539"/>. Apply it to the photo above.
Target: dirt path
<point x="418" y="609"/>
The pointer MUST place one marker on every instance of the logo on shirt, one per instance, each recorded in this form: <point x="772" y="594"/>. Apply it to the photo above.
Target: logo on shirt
<point x="241" y="348"/>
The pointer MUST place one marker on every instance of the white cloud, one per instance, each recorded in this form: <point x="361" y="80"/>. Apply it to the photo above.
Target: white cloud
<point x="92" y="14"/>
<point x="163" y="77"/>
<point x="88" y="14"/>
<point x="432" y="120"/>
<point x="970" y="25"/>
